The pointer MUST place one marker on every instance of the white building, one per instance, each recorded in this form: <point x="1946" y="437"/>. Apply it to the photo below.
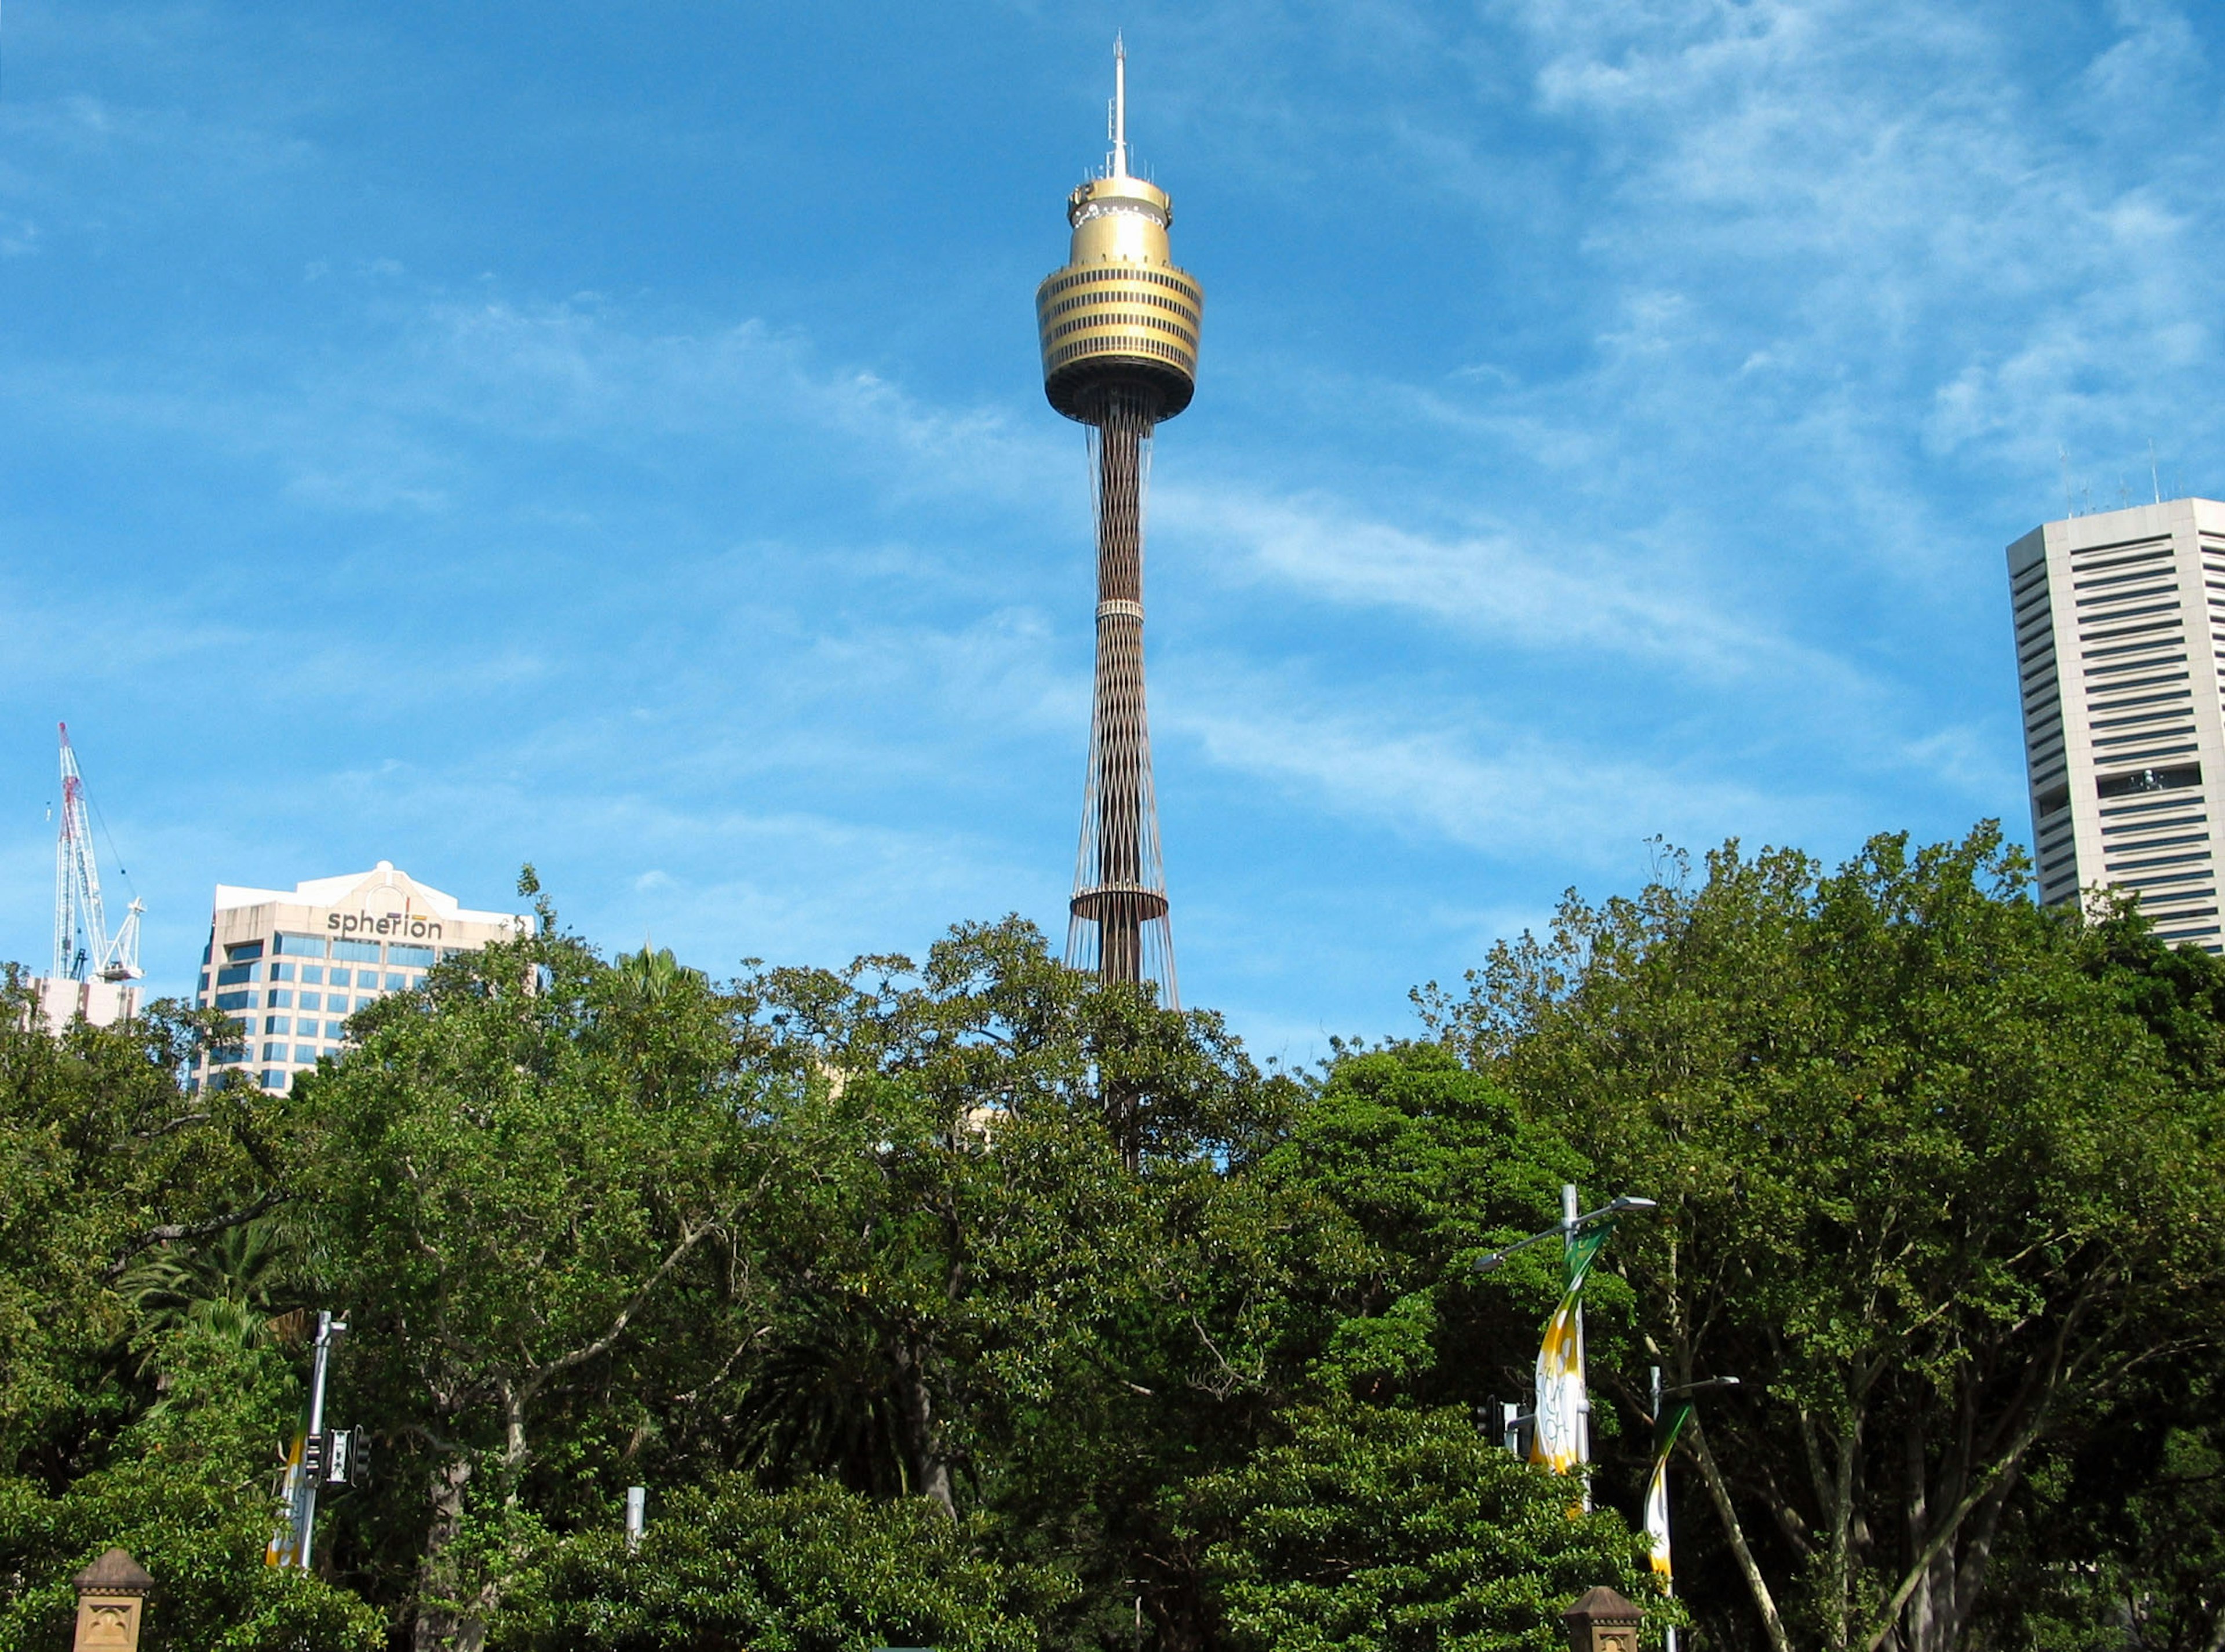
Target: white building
<point x="2120" y="635"/>
<point x="101" y="1002"/>
<point x="290" y="965"/>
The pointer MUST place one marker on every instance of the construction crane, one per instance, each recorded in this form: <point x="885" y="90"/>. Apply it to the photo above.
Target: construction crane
<point x="83" y="948"/>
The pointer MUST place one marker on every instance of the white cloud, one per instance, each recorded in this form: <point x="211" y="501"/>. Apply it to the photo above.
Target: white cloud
<point x="1544" y="589"/>
<point x="1513" y="795"/>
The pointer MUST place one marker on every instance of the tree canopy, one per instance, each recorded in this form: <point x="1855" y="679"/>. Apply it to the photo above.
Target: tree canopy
<point x="972" y="1303"/>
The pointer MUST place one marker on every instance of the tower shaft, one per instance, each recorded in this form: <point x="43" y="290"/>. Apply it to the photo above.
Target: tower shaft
<point x="1119" y="925"/>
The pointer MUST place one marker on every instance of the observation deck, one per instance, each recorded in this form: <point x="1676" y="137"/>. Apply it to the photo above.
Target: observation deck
<point x="1119" y="314"/>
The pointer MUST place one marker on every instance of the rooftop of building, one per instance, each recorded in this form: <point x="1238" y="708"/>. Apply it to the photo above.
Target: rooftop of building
<point x="349" y="886"/>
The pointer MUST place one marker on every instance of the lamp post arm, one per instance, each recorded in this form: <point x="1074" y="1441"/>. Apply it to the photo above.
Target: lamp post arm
<point x="1624" y="1206"/>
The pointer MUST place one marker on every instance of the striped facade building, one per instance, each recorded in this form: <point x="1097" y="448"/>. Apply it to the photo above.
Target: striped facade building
<point x="2119" y="622"/>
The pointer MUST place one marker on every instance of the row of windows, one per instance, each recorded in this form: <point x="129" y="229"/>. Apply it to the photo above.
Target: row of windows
<point x="1065" y="354"/>
<point x="2103" y="557"/>
<point x="301" y="1025"/>
<point x="312" y="975"/>
<point x="336" y="1002"/>
<point x="273" y="1051"/>
<point x="1124" y="272"/>
<point x="1082" y="323"/>
<point x="284" y="998"/>
<point x="2055" y="799"/>
<point x="363" y="952"/>
<point x="2150" y="780"/>
<point x="1083" y="299"/>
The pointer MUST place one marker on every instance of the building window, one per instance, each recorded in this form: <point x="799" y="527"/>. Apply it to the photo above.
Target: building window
<point x="235" y="1000"/>
<point x="335" y="1030"/>
<point x="282" y="971"/>
<point x="274" y="1078"/>
<point x="305" y="1054"/>
<point x="312" y="1001"/>
<point x="2053" y="800"/>
<point x="417" y="957"/>
<point x="203" y="991"/>
<point x="278" y="998"/>
<point x="273" y="1052"/>
<point x="240" y="951"/>
<point x="299" y="945"/>
<point x="396" y="983"/>
<point x="2150" y="780"/>
<point x="277" y="1025"/>
<point x="360" y="952"/>
<point x="312" y="974"/>
<point x="237" y="973"/>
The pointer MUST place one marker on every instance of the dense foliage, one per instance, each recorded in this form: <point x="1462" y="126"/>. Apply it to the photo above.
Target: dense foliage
<point x="973" y="1304"/>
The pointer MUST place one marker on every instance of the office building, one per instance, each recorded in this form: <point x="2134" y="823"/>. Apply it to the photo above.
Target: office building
<point x="2120" y="621"/>
<point x="290" y="965"/>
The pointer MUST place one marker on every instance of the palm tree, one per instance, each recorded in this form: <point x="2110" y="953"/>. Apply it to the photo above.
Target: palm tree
<point x="647" y="976"/>
<point x="239" y="1287"/>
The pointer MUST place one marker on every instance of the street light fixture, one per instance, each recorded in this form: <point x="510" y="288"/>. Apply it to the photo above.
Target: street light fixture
<point x="1627" y="1205"/>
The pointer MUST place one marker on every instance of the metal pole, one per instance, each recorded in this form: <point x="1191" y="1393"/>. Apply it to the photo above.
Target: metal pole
<point x="1570" y="1209"/>
<point x="1670" y="1633"/>
<point x="316" y="1428"/>
<point x="637" y="1509"/>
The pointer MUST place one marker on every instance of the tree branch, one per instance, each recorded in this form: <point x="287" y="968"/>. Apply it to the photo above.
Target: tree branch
<point x="172" y="1231"/>
<point x="1694" y="1440"/>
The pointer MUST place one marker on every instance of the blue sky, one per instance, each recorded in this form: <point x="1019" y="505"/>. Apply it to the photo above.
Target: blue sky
<point x="613" y="436"/>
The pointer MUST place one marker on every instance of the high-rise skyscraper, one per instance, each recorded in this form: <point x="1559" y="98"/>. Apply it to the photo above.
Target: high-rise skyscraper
<point x="1119" y="330"/>
<point x="2120" y="623"/>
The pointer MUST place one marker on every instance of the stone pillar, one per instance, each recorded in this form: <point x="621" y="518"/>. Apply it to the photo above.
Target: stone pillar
<point x="111" y="1594"/>
<point x="1602" y="1621"/>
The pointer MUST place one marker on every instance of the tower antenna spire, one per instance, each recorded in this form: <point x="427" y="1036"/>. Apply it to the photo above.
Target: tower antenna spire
<point x="1120" y="108"/>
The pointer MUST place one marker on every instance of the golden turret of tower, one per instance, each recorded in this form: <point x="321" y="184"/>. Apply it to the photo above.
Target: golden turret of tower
<point x="1120" y="313"/>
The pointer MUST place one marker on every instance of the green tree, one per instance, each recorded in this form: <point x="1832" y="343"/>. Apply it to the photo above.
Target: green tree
<point x="1934" y="1182"/>
<point x="188" y="1487"/>
<point x="814" y="1569"/>
<point x="520" y="1178"/>
<point x="1386" y="1529"/>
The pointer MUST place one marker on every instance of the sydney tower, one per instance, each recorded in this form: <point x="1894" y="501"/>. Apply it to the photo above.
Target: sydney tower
<point x="1120" y="329"/>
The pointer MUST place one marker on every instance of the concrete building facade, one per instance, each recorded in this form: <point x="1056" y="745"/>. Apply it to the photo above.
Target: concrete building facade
<point x="2120" y="620"/>
<point x="101" y="1002"/>
<point x="289" y="965"/>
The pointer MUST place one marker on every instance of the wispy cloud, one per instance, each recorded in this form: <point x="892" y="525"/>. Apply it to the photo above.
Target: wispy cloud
<point x="1552" y="591"/>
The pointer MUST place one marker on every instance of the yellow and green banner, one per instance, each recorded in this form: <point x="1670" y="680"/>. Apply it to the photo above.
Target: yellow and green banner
<point x="1557" y="1438"/>
<point x="1665" y="1429"/>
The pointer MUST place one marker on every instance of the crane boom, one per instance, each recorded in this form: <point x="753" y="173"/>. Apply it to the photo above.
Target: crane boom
<point x="83" y="948"/>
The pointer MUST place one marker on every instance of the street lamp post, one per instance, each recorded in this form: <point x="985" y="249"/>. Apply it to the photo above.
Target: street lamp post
<point x="1561" y="1361"/>
<point x="1657" y="1487"/>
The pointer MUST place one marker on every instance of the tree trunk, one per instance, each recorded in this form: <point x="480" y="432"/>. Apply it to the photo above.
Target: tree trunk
<point x="438" y="1627"/>
<point x="1719" y="1493"/>
<point x="929" y="1467"/>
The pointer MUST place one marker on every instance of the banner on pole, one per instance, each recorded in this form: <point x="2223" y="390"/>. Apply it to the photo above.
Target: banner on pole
<point x="1665" y="1429"/>
<point x="285" y="1546"/>
<point x="1556" y="1441"/>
